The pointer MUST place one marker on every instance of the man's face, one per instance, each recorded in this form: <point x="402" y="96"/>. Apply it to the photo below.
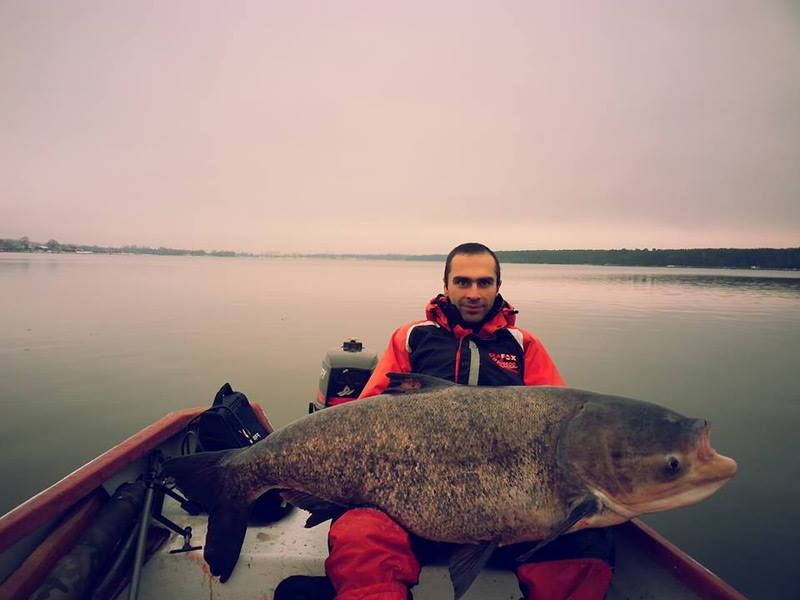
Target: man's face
<point x="472" y="285"/>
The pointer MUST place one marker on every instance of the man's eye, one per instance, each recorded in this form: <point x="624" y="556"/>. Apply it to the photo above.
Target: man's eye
<point x="484" y="283"/>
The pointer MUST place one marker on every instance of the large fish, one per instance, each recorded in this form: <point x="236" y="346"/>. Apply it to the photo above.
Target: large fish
<point x="478" y="466"/>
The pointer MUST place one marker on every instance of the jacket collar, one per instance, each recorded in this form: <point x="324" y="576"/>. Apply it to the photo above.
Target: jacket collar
<point x="442" y="312"/>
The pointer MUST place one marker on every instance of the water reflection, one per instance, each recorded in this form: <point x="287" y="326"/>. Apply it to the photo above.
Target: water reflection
<point x="118" y="341"/>
<point x="780" y="285"/>
<point x="741" y="280"/>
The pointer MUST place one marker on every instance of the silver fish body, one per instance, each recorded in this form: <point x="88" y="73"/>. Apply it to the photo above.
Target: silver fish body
<point x="468" y="465"/>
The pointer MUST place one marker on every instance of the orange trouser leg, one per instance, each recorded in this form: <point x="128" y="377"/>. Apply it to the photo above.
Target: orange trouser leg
<point x="571" y="579"/>
<point x="370" y="557"/>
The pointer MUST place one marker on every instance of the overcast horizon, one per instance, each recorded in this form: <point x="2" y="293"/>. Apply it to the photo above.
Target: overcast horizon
<point x="389" y="252"/>
<point x="374" y="128"/>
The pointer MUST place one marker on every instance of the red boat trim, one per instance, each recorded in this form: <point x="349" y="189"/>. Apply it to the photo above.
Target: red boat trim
<point x="682" y="566"/>
<point x="30" y="574"/>
<point x="53" y="501"/>
<point x="261" y="416"/>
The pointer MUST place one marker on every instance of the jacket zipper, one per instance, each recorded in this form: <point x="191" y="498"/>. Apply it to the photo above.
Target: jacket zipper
<point x="458" y="356"/>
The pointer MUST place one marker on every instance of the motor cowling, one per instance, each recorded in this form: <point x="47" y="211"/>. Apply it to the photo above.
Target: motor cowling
<point x="345" y="372"/>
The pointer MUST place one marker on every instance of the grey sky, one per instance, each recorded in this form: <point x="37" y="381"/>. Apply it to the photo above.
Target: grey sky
<point x="401" y="126"/>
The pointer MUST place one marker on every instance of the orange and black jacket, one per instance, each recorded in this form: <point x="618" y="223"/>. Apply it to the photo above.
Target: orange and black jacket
<point x="494" y="352"/>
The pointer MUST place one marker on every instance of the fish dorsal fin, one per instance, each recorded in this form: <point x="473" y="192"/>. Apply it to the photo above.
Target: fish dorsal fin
<point x="465" y="564"/>
<point x="405" y="383"/>
<point x="585" y="508"/>
<point x="321" y="510"/>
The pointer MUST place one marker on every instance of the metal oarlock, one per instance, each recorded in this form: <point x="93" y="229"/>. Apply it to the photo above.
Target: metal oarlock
<point x="187" y="546"/>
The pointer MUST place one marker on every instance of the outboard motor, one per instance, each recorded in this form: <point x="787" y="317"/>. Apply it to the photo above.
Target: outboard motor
<point x="345" y="372"/>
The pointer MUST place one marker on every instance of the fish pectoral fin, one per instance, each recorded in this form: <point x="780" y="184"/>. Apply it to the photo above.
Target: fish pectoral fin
<point x="586" y="507"/>
<point x="465" y="564"/>
<point x="409" y="383"/>
<point x="320" y="516"/>
<point x="321" y="510"/>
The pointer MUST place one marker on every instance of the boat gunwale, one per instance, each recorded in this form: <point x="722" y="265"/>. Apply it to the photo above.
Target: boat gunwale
<point x="56" y="499"/>
<point x="59" y="497"/>
<point x="682" y="566"/>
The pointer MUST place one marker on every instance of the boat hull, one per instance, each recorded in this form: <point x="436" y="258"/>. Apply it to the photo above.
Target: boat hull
<point x="648" y="565"/>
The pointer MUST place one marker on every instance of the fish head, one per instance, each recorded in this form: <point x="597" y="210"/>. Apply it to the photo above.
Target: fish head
<point x="640" y="458"/>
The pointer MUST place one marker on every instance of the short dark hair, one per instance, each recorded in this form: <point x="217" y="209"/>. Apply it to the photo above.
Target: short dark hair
<point x="471" y="248"/>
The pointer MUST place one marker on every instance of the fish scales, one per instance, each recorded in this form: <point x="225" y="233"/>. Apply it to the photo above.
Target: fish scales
<point x="453" y="464"/>
<point x="482" y="466"/>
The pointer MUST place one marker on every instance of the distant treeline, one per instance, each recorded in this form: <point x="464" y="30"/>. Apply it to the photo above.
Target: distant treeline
<point x="25" y="245"/>
<point x="741" y="258"/>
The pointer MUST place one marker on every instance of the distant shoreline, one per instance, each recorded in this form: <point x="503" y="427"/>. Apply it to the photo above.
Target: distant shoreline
<point x="737" y="258"/>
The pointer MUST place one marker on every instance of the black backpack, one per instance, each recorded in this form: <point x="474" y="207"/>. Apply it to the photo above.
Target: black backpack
<point x="229" y="423"/>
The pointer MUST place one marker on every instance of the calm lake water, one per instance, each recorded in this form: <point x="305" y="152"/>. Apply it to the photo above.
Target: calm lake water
<point x="93" y="348"/>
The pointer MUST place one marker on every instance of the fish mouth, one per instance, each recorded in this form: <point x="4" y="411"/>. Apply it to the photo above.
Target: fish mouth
<point x="710" y="465"/>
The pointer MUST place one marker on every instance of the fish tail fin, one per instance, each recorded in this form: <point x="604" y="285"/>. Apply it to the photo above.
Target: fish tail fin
<point x="203" y="478"/>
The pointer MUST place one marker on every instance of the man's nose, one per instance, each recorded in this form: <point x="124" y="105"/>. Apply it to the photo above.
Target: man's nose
<point x="473" y="291"/>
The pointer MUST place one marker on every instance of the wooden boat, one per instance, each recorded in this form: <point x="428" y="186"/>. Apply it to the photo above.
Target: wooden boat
<point x="35" y="534"/>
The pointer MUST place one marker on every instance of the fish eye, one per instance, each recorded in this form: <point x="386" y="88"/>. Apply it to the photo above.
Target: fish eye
<point x="673" y="465"/>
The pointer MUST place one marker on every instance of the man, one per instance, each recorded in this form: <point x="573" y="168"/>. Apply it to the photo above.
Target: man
<point x="469" y="337"/>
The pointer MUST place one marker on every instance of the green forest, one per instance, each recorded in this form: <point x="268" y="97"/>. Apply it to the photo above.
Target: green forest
<point x="738" y="258"/>
<point x="743" y="258"/>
